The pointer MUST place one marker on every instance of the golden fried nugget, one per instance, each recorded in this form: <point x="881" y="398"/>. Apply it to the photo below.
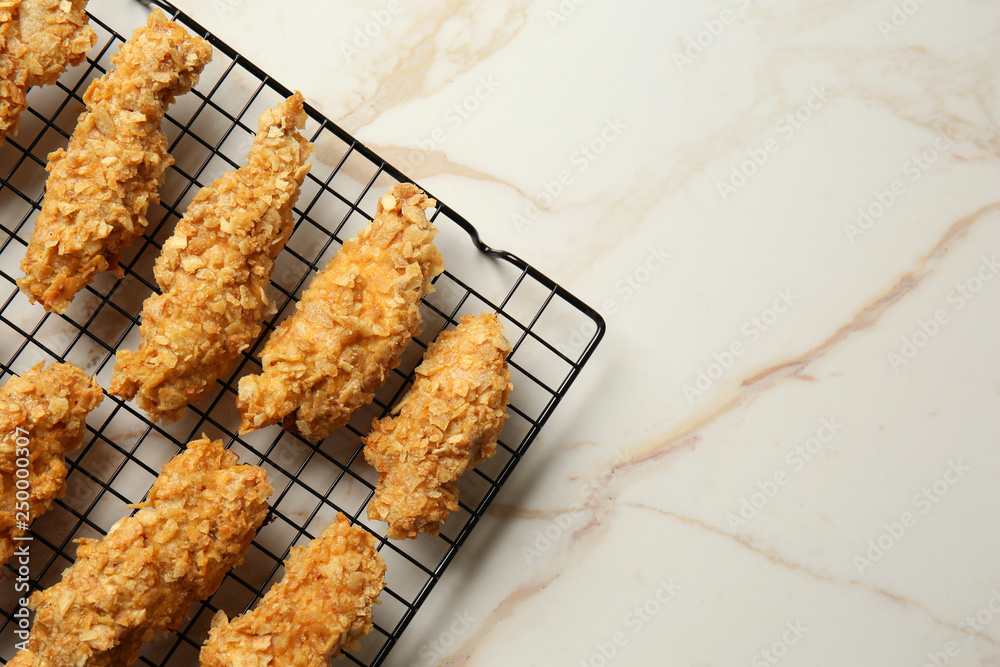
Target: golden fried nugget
<point x="43" y="415"/>
<point x="351" y="326"/>
<point x="448" y="421"/>
<point x="214" y="272"/>
<point x="39" y="39"/>
<point x="142" y="578"/>
<point x="99" y="190"/>
<point x="322" y="604"/>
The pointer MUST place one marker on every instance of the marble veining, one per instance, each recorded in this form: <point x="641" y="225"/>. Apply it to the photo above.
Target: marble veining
<point x="677" y="165"/>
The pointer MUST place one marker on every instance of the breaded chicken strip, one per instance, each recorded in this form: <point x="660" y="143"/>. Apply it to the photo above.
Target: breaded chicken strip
<point x="214" y="272"/>
<point x="448" y="421"/>
<point x="322" y="604"/>
<point x="98" y="191"/>
<point x="39" y="39"/>
<point x="43" y="415"/>
<point x="351" y="326"/>
<point x="142" y="578"/>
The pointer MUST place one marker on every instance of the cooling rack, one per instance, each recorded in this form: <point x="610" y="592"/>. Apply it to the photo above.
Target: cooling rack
<point x="552" y="333"/>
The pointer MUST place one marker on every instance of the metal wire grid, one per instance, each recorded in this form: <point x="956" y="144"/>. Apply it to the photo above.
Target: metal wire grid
<point x="553" y="335"/>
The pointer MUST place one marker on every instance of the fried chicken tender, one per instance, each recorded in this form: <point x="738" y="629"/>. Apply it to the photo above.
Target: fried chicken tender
<point x="351" y="326"/>
<point x="447" y="422"/>
<point x="214" y="272"/>
<point x="142" y="578"/>
<point x="39" y="39"/>
<point x="46" y="410"/>
<point x="99" y="190"/>
<point x="322" y="604"/>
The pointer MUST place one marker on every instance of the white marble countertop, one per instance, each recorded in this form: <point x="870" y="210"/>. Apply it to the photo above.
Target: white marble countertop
<point x="785" y="450"/>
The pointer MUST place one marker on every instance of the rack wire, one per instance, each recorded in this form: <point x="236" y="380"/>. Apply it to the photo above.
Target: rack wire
<point x="553" y="334"/>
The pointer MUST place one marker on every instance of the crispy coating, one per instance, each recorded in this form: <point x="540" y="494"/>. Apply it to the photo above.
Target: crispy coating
<point x="322" y="604"/>
<point x="47" y="408"/>
<point x="448" y="421"/>
<point x="141" y="579"/>
<point x="351" y="326"/>
<point x="99" y="190"/>
<point x="214" y="272"/>
<point x="39" y="39"/>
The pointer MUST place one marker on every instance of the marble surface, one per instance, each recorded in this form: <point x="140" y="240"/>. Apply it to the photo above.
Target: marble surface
<point x="785" y="449"/>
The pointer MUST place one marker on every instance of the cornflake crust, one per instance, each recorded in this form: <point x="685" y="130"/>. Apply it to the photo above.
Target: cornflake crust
<point x="142" y="578"/>
<point x="322" y="605"/>
<point x="447" y="422"/>
<point x="351" y="326"/>
<point x="98" y="190"/>
<point x="214" y="272"/>
<point x="43" y="415"/>
<point x="39" y="39"/>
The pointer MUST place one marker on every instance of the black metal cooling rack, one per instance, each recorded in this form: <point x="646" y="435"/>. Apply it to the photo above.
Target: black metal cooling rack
<point x="553" y="334"/>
